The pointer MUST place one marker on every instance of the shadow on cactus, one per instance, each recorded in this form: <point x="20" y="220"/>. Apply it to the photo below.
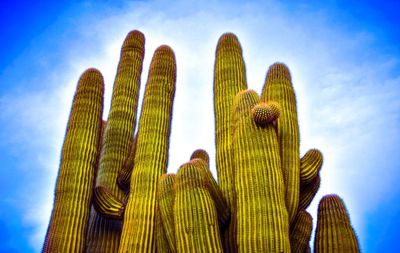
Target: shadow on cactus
<point x="113" y="194"/>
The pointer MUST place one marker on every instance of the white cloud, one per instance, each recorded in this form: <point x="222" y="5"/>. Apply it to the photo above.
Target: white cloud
<point x="344" y="103"/>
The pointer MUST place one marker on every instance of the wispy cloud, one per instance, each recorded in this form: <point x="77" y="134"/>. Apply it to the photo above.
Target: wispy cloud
<point x="346" y="91"/>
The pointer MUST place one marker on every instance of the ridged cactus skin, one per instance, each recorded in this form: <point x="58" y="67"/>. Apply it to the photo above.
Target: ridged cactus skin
<point x="334" y="232"/>
<point x="308" y="192"/>
<point x="104" y="234"/>
<point x="229" y="79"/>
<point x="161" y="241"/>
<point x="278" y="87"/>
<point x="70" y="215"/>
<point x="262" y="218"/>
<point x="106" y="204"/>
<point x="151" y="157"/>
<point x="310" y="165"/>
<point x="165" y="199"/>
<point x="195" y="215"/>
<point x="300" y="232"/>
<point x="124" y="174"/>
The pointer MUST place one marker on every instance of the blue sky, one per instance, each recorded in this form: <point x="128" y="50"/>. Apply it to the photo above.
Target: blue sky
<point x="343" y="56"/>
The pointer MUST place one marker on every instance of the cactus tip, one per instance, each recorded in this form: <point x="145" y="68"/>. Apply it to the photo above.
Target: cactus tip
<point x="265" y="113"/>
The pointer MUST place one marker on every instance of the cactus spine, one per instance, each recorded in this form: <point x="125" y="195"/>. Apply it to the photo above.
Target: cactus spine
<point x="262" y="218"/>
<point x="334" y="232"/>
<point x="278" y="87"/>
<point x="68" y="224"/>
<point x="151" y="157"/>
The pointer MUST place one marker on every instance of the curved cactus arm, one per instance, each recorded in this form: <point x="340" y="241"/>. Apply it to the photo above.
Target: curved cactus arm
<point x="195" y="216"/>
<point x="308" y="192"/>
<point x="165" y="199"/>
<point x="161" y="241"/>
<point x="278" y="87"/>
<point x="334" y="232"/>
<point x="310" y="165"/>
<point x="106" y="204"/>
<point x="117" y="138"/>
<point x="229" y="79"/>
<point x="151" y="158"/>
<point x="124" y="174"/>
<point x="69" y="218"/>
<point x="262" y="218"/>
<point x="300" y="232"/>
<point x="215" y="192"/>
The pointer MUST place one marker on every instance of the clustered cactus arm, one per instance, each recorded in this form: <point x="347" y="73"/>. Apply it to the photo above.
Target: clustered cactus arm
<point x="263" y="188"/>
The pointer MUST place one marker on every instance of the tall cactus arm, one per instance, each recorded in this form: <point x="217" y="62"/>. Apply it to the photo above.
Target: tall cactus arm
<point x="70" y="215"/>
<point x="229" y="79"/>
<point x="334" y="232"/>
<point x="151" y="158"/>
<point x="278" y="87"/>
<point x="262" y="218"/>
<point x="300" y="232"/>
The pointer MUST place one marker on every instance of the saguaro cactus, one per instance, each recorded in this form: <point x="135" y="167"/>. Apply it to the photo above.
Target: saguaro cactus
<point x="68" y="223"/>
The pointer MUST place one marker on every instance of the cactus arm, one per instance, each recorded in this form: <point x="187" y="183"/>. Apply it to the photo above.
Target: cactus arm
<point x="106" y="204"/>
<point x="310" y="165"/>
<point x="308" y="192"/>
<point x="165" y="199"/>
<point x="195" y="216"/>
<point x="201" y="154"/>
<point x="262" y="218"/>
<point x="117" y="138"/>
<point x="124" y="174"/>
<point x="69" y="218"/>
<point x="300" y="232"/>
<point x="161" y="241"/>
<point x="229" y="79"/>
<point x="278" y="87"/>
<point x="151" y="158"/>
<point x="334" y="232"/>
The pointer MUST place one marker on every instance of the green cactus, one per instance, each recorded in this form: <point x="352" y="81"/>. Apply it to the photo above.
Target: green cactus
<point x="334" y="232"/>
<point x="300" y="232"/>
<point x="151" y="157"/>
<point x="262" y="218"/>
<point x="263" y="189"/>
<point x="70" y="215"/>
<point x="195" y="215"/>
<point x="165" y="199"/>
<point x="117" y="138"/>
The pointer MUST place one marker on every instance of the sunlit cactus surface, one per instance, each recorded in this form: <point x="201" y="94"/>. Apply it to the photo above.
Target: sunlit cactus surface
<point x="113" y="192"/>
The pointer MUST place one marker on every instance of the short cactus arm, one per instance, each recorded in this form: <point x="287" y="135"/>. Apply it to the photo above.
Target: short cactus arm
<point x="278" y="87"/>
<point x="118" y="134"/>
<point x="262" y="218"/>
<point x="195" y="215"/>
<point x="107" y="204"/>
<point x="334" y="232"/>
<point x="165" y="199"/>
<point x="70" y="215"/>
<point x="308" y="192"/>
<point x="300" y="232"/>
<point x="151" y="157"/>
<point x="310" y="165"/>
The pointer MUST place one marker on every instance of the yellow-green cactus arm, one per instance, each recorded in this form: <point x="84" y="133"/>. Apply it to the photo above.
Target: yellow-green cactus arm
<point x="278" y="87"/>
<point x="229" y="79"/>
<point x="310" y="165"/>
<point x="195" y="216"/>
<point x="151" y="157"/>
<point x="262" y="218"/>
<point x="334" y="232"/>
<point x="124" y="174"/>
<point x="308" y="192"/>
<point x="161" y="241"/>
<point x="69" y="218"/>
<point x="117" y="138"/>
<point x="165" y="199"/>
<point x="106" y="204"/>
<point x="300" y="232"/>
